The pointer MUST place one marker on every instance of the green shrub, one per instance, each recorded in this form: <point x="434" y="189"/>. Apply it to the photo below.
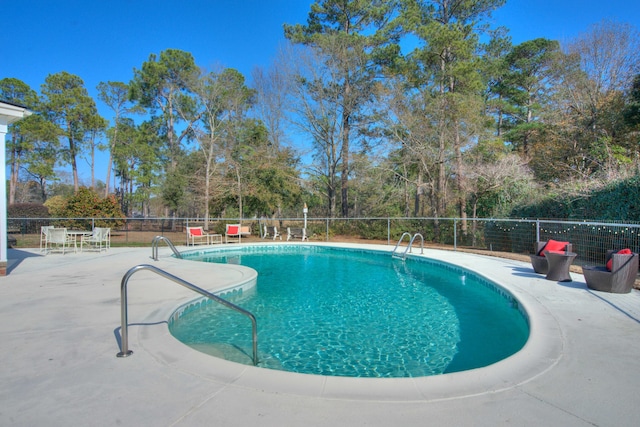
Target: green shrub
<point x="618" y="201"/>
<point x="26" y="210"/>
<point x="86" y="209"/>
<point x="57" y="206"/>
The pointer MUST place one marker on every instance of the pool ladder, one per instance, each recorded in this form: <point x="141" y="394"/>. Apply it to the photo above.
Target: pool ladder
<point x="124" y="332"/>
<point x="403" y="255"/>
<point x="154" y="247"/>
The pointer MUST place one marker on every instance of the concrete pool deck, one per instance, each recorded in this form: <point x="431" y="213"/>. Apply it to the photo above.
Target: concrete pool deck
<point x="60" y="324"/>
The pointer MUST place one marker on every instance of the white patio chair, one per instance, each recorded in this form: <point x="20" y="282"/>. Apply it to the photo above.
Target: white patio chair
<point x="59" y="240"/>
<point x="106" y="237"/>
<point x="95" y="240"/>
<point x="297" y="233"/>
<point x="233" y="233"/>
<point x="197" y="236"/>
<point x="271" y="232"/>
<point x="44" y="230"/>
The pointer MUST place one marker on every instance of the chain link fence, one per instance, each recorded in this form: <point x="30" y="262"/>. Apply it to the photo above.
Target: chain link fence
<point x="590" y="239"/>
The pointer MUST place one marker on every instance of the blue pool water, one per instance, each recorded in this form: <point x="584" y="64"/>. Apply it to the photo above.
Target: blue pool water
<point x="342" y="312"/>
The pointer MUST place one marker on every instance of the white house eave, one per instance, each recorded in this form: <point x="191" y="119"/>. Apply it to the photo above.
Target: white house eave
<point x="10" y="113"/>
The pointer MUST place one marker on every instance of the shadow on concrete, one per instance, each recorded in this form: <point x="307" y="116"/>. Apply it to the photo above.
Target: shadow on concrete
<point x="620" y="309"/>
<point x="524" y="272"/>
<point x="117" y="332"/>
<point x="15" y="257"/>
<point x="574" y="284"/>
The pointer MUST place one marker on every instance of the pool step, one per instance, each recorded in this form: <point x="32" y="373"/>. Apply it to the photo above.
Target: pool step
<point x="224" y="351"/>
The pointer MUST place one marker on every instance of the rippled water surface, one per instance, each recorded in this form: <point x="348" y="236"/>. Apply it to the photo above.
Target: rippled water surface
<point x="344" y="312"/>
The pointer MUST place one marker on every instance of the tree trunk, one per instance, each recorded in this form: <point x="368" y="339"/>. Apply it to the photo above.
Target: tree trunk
<point x="207" y="183"/>
<point x="93" y="163"/>
<point x="239" y="184"/>
<point x="74" y="168"/>
<point x="346" y="129"/>
<point x="462" y="199"/>
<point x="419" y="195"/>
<point x="110" y="164"/>
<point x="407" y="192"/>
<point x="72" y="155"/>
<point x="106" y="182"/>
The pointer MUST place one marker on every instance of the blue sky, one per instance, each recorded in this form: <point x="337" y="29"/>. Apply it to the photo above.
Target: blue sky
<point x="103" y="40"/>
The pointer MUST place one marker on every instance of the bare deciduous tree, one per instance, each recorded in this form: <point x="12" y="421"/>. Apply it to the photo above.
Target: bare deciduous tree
<point x="598" y="69"/>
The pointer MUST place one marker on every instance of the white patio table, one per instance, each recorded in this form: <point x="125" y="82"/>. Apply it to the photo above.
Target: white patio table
<point x="77" y="234"/>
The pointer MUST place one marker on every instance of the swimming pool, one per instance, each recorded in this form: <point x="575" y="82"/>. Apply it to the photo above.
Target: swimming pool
<point x="346" y="312"/>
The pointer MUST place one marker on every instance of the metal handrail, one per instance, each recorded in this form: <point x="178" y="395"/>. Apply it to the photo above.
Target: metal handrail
<point x="406" y="233"/>
<point x="124" y="333"/>
<point x="154" y="247"/>
<point x="408" y="248"/>
<point x="421" y="242"/>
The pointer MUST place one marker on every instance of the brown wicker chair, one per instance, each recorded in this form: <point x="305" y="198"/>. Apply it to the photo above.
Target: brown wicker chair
<point x="539" y="262"/>
<point x="620" y="280"/>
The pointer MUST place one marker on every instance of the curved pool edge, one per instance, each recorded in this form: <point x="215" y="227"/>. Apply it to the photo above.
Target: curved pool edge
<point x="542" y="351"/>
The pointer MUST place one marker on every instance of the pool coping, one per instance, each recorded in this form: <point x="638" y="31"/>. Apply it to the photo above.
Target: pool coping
<point x="542" y="351"/>
<point x="60" y="317"/>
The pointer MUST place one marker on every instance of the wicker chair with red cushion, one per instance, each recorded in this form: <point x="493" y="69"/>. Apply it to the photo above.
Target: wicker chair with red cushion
<point x="538" y="260"/>
<point x="617" y="275"/>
